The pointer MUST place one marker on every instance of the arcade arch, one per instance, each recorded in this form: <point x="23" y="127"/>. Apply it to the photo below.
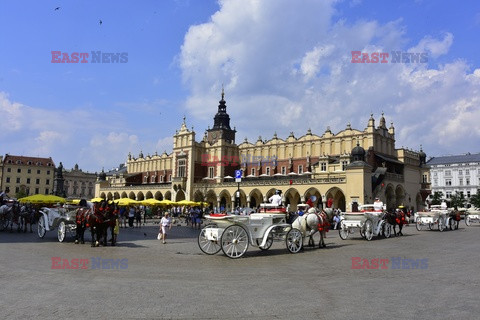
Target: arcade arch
<point x="338" y="197"/>
<point x="313" y="192"/>
<point x="255" y="197"/>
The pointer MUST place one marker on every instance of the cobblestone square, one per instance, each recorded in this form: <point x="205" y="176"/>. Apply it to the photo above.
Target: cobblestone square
<point x="177" y="281"/>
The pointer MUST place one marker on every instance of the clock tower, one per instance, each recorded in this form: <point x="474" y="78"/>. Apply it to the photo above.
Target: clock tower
<point x="221" y="126"/>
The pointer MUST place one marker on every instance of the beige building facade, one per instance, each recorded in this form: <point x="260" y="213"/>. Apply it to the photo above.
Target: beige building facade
<point x="350" y="167"/>
<point x="79" y="184"/>
<point x="27" y="175"/>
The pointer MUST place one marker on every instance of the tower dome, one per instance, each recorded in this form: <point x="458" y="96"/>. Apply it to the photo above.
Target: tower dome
<point x="102" y="176"/>
<point x="358" y="153"/>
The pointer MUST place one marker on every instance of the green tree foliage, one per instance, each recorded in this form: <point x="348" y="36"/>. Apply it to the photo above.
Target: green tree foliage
<point x="437" y="197"/>
<point x="21" y="194"/>
<point x="458" y="200"/>
<point x="475" y="199"/>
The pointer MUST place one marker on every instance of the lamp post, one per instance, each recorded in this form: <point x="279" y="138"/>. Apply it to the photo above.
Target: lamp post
<point x="238" y="179"/>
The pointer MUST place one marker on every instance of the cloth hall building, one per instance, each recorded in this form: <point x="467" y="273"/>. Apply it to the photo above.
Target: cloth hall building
<point x="351" y="167"/>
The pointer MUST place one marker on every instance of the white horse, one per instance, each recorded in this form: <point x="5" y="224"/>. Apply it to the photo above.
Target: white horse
<point x="26" y="216"/>
<point x="7" y="217"/>
<point x="311" y="223"/>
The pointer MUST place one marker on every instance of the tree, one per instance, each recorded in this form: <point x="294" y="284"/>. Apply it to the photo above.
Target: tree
<point x="475" y="199"/>
<point x="21" y="194"/>
<point x="437" y="197"/>
<point x="458" y="200"/>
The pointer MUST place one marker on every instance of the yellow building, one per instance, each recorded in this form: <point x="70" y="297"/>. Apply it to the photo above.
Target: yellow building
<point x="351" y="166"/>
<point x="27" y="175"/>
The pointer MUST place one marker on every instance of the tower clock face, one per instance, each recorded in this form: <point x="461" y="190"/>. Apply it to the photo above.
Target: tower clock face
<point x="214" y="135"/>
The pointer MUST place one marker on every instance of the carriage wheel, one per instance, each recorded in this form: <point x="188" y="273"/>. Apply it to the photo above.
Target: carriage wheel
<point x="441" y="224"/>
<point x="234" y="241"/>
<point x="294" y="240"/>
<point x="419" y="225"/>
<point x="387" y="230"/>
<point x="41" y="227"/>
<point x="268" y="244"/>
<point x="451" y="222"/>
<point x="468" y="221"/>
<point x="362" y="232"/>
<point x="61" y="231"/>
<point x="368" y="229"/>
<point x="343" y="232"/>
<point x="208" y="246"/>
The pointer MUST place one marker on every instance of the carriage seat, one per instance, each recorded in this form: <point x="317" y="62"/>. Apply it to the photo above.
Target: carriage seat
<point x="271" y="208"/>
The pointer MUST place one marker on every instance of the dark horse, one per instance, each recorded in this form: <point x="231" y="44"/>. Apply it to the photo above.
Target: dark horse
<point x="108" y="216"/>
<point x="99" y="219"/>
<point x="397" y="218"/>
<point x="89" y="216"/>
<point x="454" y="219"/>
<point x="82" y="218"/>
<point x="26" y="216"/>
<point x="97" y="224"/>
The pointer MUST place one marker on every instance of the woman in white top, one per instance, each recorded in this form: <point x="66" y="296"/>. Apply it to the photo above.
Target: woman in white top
<point x="164" y="223"/>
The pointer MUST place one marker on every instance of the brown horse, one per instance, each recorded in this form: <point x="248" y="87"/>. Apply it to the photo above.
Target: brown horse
<point x="110" y="222"/>
<point x="454" y="219"/>
<point x="397" y="218"/>
<point x="106" y="217"/>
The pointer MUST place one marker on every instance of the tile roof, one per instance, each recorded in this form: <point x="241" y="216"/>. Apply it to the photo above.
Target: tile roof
<point x="463" y="158"/>
<point x="25" y="160"/>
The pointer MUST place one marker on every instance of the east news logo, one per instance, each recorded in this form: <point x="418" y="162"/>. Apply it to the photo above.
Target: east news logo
<point x="93" y="263"/>
<point x="396" y="263"/>
<point x="96" y="57"/>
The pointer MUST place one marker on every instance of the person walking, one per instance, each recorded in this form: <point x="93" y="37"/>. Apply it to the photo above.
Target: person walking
<point x="165" y="222"/>
<point x="131" y="216"/>
<point x="138" y="217"/>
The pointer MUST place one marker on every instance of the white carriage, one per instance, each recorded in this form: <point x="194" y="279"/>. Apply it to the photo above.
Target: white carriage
<point x="368" y="221"/>
<point x="437" y="215"/>
<point x="62" y="218"/>
<point x="233" y="233"/>
<point x="472" y="215"/>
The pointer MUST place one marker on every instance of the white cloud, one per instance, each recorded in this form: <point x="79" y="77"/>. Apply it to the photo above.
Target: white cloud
<point x="164" y="144"/>
<point x="72" y="136"/>
<point x="434" y="47"/>
<point x="284" y="73"/>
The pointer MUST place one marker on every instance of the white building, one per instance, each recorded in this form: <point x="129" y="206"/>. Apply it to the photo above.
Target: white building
<point x="459" y="173"/>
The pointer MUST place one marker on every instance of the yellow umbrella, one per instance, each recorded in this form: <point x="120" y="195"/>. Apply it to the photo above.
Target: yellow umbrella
<point x="127" y="202"/>
<point x="96" y="200"/>
<point x="42" y="198"/>
<point x="151" y="202"/>
<point x="74" y="201"/>
<point x="185" y="203"/>
<point x="166" y="202"/>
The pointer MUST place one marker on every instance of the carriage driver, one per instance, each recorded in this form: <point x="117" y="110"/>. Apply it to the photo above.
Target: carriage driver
<point x="276" y="199"/>
<point x="378" y="205"/>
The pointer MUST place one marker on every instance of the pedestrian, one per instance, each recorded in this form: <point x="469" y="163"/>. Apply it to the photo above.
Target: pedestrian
<point x="336" y="219"/>
<point x="131" y="216"/>
<point x="121" y="217"/>
<point x="164" y="223"/>
<point x="148" y="212"/>
<point x="138" y="217"/>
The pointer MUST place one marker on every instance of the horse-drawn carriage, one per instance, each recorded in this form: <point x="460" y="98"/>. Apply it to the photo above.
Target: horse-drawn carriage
<point x="437" y="215"/>
<point x="472" y="215"/>
<point x="234" y="233"/>
<point x="62" y="218"/>
<point x="368" y="221"/>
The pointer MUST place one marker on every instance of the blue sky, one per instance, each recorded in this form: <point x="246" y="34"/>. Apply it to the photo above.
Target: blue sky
<point x="287" y="60"/>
